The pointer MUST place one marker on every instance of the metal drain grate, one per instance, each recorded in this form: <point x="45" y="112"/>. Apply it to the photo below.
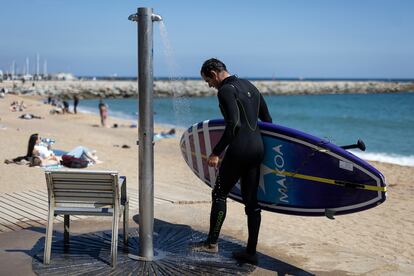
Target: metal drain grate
<point x="89" y="254"/>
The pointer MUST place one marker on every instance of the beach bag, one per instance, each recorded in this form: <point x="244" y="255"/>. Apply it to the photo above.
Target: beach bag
<point x="73" y="162"/>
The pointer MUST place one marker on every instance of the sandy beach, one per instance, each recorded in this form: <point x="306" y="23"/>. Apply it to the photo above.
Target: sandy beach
<point x="379" y="241"/>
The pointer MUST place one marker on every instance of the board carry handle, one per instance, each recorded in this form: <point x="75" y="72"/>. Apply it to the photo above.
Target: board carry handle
<point x="359" y="145"/>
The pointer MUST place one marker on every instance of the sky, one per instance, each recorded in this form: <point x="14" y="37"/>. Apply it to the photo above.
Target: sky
<point x="260" y="39"/>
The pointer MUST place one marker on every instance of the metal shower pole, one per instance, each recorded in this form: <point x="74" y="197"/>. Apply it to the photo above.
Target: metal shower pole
<point x="144" y="17"/>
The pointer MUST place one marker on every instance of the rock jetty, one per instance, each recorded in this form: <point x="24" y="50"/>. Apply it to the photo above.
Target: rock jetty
<point x="195" y="88"/>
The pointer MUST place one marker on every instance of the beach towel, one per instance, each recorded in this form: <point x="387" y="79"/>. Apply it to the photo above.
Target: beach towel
<point x="160" y="136"/>
<point x="52" y="167"/>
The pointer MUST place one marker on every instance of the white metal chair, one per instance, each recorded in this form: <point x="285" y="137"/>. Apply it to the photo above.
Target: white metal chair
<point x="90" y="193"/>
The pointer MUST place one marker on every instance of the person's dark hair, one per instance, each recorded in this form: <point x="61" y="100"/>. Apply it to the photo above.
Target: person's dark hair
<point x="212" y="64"/>
<point x="36" y="161"/>
<point x="31" y="144"/>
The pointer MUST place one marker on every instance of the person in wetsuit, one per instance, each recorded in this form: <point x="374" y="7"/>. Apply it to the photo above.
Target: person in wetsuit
<point x="241" y="105"/>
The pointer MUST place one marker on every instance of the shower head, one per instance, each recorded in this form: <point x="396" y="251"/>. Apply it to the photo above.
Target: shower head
<point x="156" y="17"/>
<point x="133" y="17"/>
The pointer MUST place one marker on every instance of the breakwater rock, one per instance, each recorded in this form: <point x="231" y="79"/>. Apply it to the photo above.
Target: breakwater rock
<point x="196" y="88"/>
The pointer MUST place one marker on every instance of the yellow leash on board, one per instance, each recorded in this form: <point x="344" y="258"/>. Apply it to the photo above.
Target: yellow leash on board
<point x="321" y="179"/>
<point x="331" y="181"/>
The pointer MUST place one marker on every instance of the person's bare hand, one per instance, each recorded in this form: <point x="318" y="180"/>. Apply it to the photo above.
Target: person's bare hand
<point x="213" y="161"/>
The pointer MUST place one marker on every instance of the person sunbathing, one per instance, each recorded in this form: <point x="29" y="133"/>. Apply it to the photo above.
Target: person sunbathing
<point x="44" y="153"/>
<point x="28" y="116"/>
<point x="164" y="134"/>
<point x="171" y="132"/>
<point x="16" y="106"/>
<point x="39" y="154"/>
<point x="48" y="157"/>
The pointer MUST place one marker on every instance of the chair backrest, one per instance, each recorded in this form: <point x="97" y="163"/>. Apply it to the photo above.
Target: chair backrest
<point x="82" y="188"/>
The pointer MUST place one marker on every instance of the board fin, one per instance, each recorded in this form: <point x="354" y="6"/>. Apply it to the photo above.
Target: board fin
<point x="329" y="213"/>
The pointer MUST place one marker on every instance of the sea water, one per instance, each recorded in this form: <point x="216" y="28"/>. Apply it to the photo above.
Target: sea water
<point x="385" y="122"/>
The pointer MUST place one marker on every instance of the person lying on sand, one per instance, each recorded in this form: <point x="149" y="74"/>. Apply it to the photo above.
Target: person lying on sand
<point x="164" y="134"/>
<point x="16" y="106"/>
<point x="30" y="116"/>
<point x="116" y="125"/>
<point x="170" y="132"/>
<point x="56" y="110"/>
<point x="40" y="155"/>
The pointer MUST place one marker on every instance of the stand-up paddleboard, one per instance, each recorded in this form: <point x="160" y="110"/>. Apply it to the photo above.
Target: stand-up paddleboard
<point x="300" y="174"/>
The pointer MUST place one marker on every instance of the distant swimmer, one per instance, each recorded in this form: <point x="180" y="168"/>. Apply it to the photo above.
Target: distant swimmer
<point x="241" y="105"/>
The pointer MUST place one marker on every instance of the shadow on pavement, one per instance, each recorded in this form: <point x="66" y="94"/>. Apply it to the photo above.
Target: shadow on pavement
<point x="89" y="253"/>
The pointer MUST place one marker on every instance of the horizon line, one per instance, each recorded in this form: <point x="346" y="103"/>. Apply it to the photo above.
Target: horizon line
<point x="248" y="77"/>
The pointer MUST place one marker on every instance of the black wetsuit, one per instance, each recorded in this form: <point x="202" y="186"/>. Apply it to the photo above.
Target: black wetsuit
<point x="241" y="105"/>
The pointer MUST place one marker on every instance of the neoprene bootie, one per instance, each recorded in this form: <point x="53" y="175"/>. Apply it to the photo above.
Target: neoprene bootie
<point x="205" y="246"/>
<point x="244" y="257"/>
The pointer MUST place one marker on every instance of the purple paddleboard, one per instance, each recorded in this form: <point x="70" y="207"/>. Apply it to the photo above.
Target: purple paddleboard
<point x="300" y="174"/>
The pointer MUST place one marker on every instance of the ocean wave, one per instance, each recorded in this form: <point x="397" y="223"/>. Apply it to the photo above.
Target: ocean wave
<point x="122" y="115"/>
<point x="131" y="117"/>
<point x="403" y="160"/>
<point x="88" y="109"/>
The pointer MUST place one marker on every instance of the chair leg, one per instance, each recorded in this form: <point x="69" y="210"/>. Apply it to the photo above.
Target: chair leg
<point x="66" y="231"/>
<point x="126" y="222"/>
<point x="114" y="243"/>
<point x="48" y="239"/>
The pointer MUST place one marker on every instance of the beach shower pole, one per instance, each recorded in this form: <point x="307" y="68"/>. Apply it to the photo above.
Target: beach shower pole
<point x="145" y="17"/>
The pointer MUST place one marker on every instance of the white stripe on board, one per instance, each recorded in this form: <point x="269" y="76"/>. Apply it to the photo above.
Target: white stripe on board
<point x="188" y="150"/>
<point x="211" y="171"/>
<point x="217" y="128"/>
<point x="197" y="151"/>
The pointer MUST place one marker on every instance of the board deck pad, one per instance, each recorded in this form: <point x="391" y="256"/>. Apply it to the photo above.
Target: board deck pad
<point x="300" y="175"/>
